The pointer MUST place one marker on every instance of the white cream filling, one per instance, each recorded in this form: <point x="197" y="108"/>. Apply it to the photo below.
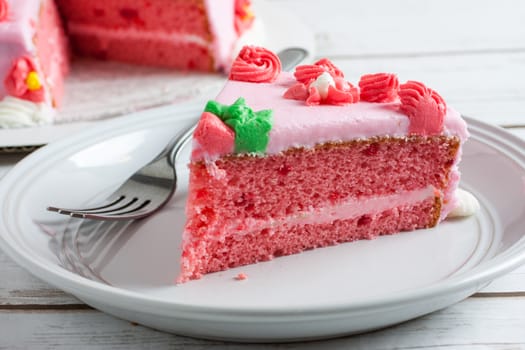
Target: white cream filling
<point x="126" y="33"/>
<point x="350" y="209"/>
<point x="15" y="113"/>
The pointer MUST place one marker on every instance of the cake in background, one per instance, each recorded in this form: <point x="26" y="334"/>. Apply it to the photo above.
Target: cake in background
<point x="181" y="34"/>
<point x="283" y="163"/>
<point x="184" y="34"/>
<point x="33" y="62"/>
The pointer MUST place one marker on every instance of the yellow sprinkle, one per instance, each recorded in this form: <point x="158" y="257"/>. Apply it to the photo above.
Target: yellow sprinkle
<point x="33" y="81"/>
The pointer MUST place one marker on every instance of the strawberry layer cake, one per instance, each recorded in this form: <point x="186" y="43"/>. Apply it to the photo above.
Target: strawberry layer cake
<point x="34" y="35"/>
<point x="283" y="163"/>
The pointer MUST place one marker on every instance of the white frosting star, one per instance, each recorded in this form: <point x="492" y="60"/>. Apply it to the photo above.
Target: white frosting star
<point x="322" y="83"/>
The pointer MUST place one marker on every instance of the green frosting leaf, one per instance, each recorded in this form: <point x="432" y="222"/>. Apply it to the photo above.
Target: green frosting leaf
<point x="251" y="128"/>
<point x="216" y="108"/>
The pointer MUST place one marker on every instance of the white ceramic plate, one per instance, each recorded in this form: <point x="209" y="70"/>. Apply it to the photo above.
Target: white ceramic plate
<point x="128" y="269"/>
<point x="96" y="90"/>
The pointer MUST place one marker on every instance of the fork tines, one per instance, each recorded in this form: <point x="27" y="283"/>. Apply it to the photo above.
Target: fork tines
<point x="121" y="205"/>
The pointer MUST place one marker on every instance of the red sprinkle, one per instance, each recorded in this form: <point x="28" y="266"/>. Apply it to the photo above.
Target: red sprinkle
<point x="424" y="107"/>
<point x="241" y="277"/>
<point x="379" y="87"/>
<point x="256" y="65"/>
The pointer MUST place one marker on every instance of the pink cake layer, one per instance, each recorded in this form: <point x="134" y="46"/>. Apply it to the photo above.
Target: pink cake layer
<point x="347" y="189"/>
<point x="184" y="16"/>
<point x="143" y="49"/>
<point x="202" y="256"/>
<point x="186" y="34"/>
<point x="235" y="189"/>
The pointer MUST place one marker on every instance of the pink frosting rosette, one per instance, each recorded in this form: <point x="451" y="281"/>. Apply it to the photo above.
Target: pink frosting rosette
<point x="322" y="83"/>
<point x="256" y="65"/>
<point x="378" y="87"/>
<point x="22" y="81"/>
<point x="309" y="72"/>
<point x="424" y="107"/>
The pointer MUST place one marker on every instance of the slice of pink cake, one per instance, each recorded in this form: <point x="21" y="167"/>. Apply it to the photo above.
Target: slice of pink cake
<point x="33" y="61"/>
<point x="283" y="163"/>
<point x="185" y="34"/>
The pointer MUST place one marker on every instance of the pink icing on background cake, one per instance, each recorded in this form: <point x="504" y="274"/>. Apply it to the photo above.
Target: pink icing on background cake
<point x="182" y="34"/>
<point x="309" y="165"/>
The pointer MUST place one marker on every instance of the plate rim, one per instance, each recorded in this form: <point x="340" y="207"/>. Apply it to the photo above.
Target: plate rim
<point x="79" y="286"/>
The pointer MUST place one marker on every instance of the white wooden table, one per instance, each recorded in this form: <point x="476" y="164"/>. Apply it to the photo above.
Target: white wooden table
<point x="472" y="52"/>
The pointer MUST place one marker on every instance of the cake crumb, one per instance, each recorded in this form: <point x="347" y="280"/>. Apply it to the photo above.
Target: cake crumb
<point x="241" y="277"/>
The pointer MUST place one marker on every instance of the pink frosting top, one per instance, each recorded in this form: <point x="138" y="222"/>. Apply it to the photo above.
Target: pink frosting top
<point x="298" y="125"/>
<point x="423" y="106"/>
<point x="17" y="34"/>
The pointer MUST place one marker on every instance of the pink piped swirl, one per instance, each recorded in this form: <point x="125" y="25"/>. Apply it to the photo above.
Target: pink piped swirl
<point x="335" y="92"/>
<point x="379" y="87"/>
<point x="424" y="107"/>
<point x="255" y="65"/>
<point x="4" y="10"/>
<point x="309" y="72"/>
<point x="15" y="81"/>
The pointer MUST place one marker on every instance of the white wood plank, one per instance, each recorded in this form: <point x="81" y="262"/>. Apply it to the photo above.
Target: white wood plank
<point x="19" y="287"/>
<point x="513" y="282"/>
<point x="412" y="27"/>
<point x="475" y="323"/>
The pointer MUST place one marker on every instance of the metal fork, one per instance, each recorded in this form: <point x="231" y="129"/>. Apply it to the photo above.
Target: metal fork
<point x="146" y="191"/>
<point x="152" y="186"/>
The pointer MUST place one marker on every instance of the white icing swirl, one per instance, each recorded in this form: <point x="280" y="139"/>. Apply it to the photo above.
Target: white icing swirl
<point x="467" y="204"/>
<point x="16" y="113"/>
<point x="322" y="83"/>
